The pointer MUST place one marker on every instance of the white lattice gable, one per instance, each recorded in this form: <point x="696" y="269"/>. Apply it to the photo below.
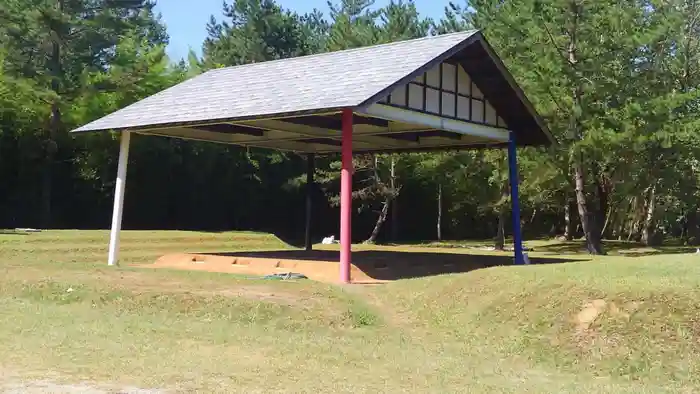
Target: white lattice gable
<point x="448" y="91"/>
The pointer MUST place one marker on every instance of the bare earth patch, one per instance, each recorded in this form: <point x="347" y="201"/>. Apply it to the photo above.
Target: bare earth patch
<point x="12" y="383"/>
<point x="589" y="314"/>
<point x="593" y="310"/>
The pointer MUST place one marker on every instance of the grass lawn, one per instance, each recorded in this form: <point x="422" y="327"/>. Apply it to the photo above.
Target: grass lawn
<point x="68" y="323"/>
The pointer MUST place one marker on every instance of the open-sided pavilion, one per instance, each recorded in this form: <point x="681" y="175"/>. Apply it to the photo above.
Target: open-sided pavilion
<point x="436" y="93"/>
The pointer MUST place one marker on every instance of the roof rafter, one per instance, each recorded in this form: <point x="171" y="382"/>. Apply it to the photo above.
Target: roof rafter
<point x="309" y="131"/>
<point x="335" y="123"/>
<point x="227" y="128"/>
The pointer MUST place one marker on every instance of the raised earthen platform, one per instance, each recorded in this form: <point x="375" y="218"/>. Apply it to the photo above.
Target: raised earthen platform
<point x="318" y="270"/>
<point x="369" y="266"/>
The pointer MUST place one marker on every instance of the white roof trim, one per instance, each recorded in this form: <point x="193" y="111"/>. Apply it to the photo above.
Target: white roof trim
<point x="433" y="121"/>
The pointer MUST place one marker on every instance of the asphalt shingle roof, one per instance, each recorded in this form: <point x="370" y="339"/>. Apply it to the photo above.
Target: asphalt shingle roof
<point x="317" y="82"/>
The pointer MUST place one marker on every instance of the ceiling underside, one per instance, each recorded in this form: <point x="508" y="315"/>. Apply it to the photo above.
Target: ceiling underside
<point x="321" y="134"/>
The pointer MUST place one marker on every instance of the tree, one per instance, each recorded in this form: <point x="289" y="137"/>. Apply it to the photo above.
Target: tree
<point x="623" y="106"/>
<point x="260" y="30"/>
<point x="601" y="94"/>
<point x="52" y="42"/>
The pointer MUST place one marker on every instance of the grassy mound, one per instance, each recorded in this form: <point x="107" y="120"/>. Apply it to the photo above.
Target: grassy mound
<point x="631" y="318"/>
<point x="159" y="330"/>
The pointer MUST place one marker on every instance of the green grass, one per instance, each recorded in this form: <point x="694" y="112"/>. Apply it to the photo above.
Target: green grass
<point x="64" y="315"/>
<point x="559" y="247"/>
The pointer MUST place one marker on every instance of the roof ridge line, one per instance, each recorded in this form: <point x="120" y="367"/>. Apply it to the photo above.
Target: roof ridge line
<point x="470" y="32"/>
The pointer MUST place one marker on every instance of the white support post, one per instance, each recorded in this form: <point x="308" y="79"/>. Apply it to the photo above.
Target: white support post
<point x="119" y="198"/>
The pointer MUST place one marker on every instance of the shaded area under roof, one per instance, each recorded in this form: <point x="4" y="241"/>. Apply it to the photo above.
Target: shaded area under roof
<point x="293" y="104"/>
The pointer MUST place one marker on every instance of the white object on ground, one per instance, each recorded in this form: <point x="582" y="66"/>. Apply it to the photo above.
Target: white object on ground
<point x="526" y="259"/>
<point x="27" y="230"/>
<point x="328" y="240"/>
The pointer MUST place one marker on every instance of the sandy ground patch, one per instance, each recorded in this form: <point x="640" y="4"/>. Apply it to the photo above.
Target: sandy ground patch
<point x="12" y="382"/>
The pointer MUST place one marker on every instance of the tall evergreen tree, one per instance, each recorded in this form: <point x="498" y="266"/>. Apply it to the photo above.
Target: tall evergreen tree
<point x="53" y="42"/>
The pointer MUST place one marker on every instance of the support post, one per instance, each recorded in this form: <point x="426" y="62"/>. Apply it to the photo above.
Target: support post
<point x="346" y="197"/>
<point x="515" y="200"/>
<point x="309" y="191"/>
<point x="119" y="189"/>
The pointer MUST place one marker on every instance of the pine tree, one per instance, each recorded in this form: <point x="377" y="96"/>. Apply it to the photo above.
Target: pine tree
<point x="53" y="42"/>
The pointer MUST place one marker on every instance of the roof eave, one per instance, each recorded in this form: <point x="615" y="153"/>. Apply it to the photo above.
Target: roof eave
<point x="317" y="111"/>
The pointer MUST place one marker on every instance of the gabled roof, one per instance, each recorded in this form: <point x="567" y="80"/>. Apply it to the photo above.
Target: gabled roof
<point x="322" y="84"/>
<point x="308" y="83"/>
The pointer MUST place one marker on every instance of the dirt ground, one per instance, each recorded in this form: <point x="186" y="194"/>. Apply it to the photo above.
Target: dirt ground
<point x="12" y="383"/>
<point x="368" y="266"/>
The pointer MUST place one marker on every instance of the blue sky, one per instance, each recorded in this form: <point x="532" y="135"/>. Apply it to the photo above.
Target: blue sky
<point x="187" y="22"/>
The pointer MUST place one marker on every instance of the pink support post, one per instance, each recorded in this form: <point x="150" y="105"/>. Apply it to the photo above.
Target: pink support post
<point x="346" y="198"/>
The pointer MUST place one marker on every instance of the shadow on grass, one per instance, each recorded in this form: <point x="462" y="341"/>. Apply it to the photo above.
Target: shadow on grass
<point x="624" y="248"/>
<point x="394" y="265"/>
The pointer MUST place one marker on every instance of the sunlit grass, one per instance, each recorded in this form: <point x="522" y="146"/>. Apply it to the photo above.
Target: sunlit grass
<point x="64" y="314"/>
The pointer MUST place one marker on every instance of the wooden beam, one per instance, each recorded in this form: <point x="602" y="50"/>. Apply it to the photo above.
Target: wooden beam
<point x="440" y="134"/>
<point x="321" y="141"/>
<point x="317" y="132"/>
<point x="205" y="136"/>
<point x="334" y="123"/>
<point x="415" y="136"/>
<point x="409" y="136"/>
<point x="226" y="128"/>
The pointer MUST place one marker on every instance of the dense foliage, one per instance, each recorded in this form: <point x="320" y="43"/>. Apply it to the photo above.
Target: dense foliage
<point x="616" y="82"/>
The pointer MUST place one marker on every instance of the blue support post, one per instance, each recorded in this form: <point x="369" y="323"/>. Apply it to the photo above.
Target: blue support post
<point x="515" y="200"/>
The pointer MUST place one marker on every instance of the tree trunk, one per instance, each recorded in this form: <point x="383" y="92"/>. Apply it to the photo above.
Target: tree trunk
<point x="622" y="221"/>
<point x="380" y="221"/>
<point x="568" y="220"/>
<point x="632" y="217"/>
<point x="648" y="236"/>
<point x="634" y="230"/>
<point x="607" y="220"/>
<point x="394" y="205"/>
<point x="693" y="233"/>
<point x="603" y="195"/>
<point x="439" y="213"/>
<point x="395" y="222"/>
<point x="500" y="240"/>
<point x="593" y="243"/>
<point x="389" y="196"/>
<point x="638" y="221"/>
<point x="630" y="233"/>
